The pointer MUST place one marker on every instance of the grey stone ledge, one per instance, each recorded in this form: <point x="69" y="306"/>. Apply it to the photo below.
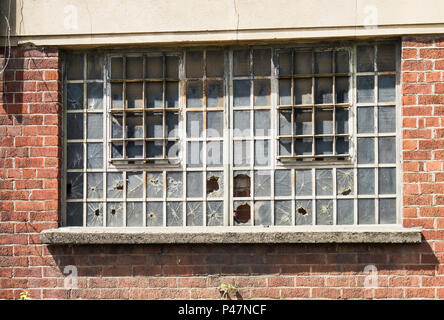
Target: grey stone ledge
<point x="213" y="235"/>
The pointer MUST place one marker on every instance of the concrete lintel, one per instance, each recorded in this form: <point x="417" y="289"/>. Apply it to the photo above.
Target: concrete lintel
<point x="213" y="235"/>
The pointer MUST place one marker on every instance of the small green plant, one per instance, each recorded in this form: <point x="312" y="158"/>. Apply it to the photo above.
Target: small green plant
<point x="227" y="289"/>
<point x="25" y="295"/>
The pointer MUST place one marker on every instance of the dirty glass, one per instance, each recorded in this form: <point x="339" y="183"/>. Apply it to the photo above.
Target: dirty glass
<point x="304" y="212"/>
<point x="282" y="213"/>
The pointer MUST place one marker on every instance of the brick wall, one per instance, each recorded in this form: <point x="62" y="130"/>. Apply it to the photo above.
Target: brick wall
<point x="30" y="149"/>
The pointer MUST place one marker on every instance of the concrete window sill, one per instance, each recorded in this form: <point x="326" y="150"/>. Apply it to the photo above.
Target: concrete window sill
<point x="212" y="235"/>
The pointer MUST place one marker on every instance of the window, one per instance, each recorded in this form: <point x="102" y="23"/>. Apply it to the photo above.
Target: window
<point x="283" y="135"/>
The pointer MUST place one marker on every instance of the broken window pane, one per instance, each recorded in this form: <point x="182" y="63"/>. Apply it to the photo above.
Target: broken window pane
<point x="323" y="90"/>
<point x="215" y="213"/>
<point x="303" y="122"/>
<point x="194" y="64"/>
<point x="215" y="63"/>
<point x="194" y="184"/>
<point x="303" y="212"/>
<point x="74" y="125"/>
<point x="241" y="123"/>
<point x="344" y="182"/>
<point x="242" y="213"/>
<point x="261" y="123"/>
<point x="282" y="213"/>
<point x="324" y="145"/>
<point x="324" y="182"/>
<point x="341" y="120"/>
<point x="74" y="66"/>
<point x="154" y="97"/>
<point x="242" y="153"/>
<point x="262" y="92"/>
<point x="174" y="214"/>
<point x="134" y="69"/>
<point x="366" y="58"/>
<point x="387" y="180"/>
<point x="324" y="121"/>
<point x="194" y="124"/>
<point x="366" y="181"/>
<point x="324" y="212"/>
<point x="345" y="211"/>
<point x="387" y="211"/>
<point x="262" y="183"/>
<point x="304" y="184"/>
<point x="154" y="125"/>
<point x="215" y="184"/>
<point x="114" y="214"/>
<point x="262" y="62"/>
<point x="215" y="94"/>
<point x="386" y="119"/>
<point x="302" y="62"/>
<point x="134" y="149"/>
<point x="194" y="156"/>
<point x="95" y="155"/>
<point x="241" y="93"/>
<point x="74" y="185"/>
<point x="74" y="214"/>
<point x="95" y="126"/>
<point x="194" y="94"/>
<point x="154" y="184"/>
<point x="323" y="62"/>
<point x="116" y="68"/>
<point x="174" y="185"/>
<point x="285" y="93"/>
<point x="302" y="91"/>
<point x="134" y="125"/>
<point x="114" y="185"/>
<point x="282" y="183"/>
<point x="366" y="150"/>
<point x="262" y="213"/>
<point x="241" y="62"/>
<point x="134" y="214"/>
<point x="154" y="149"/>
<point x="386" y="89"/>
<point x="74" y="156"/>
<point x="95" y="66"/>
<point x="386" y="58"/>
<point x="154" y="214"/>
<point x="75" y="96"/>
<point x="366" y="89"/>
<point x="261" y="153"/>
<point x="241" y="184"/>
<point x="341" y="88"/>
<point x="387" y="149"/>
<point x="172" y="95"/>
<point x="154" y="67"/>
<point x="366" y="211"/>
<point x="215" y="153"/>
<point x="134" y="187"/>
<point x="285" y="65"/>
<point x="95" y="185"/>
<point x="342" y="62"/>
<point x="215" y="124"/>
<point x="366" y="120"/>
<point x="134" y="95"/>
<point x="194" y="213"/>
<point x="116" y="96"/>
<point x="94" y="214"/>
<point x="95" y="96"/>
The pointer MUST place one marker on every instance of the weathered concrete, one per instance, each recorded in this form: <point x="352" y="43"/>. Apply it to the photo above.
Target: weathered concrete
<point x="173" y="235"/>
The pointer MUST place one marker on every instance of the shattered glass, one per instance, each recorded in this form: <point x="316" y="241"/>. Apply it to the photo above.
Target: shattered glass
<point x="174" y="215"/>
<point x="134" y="188"/>
<point x="75" y="156"/>
<point x="114" y="185"/>
<point x="174" y="185"/>
<point x="282" y="213"/>
<point x="344" y="182"/>
<point x="262" y="184"/>
<point x="304" y="212"/>
<point x="282" y="183"/>
<point x="194" y="213"/>
<point x="94" y="214"/>
<point x="262" y="213"/>
<point x="242" y="213"/>
<point x="114" y="215"/>
<point x="241" y="184"/>
<point x="154" y="214"/>
<point x="75" y="96"/>
<point x="215" y="215"/>
<point x="95" y="155"/>
<point x="215" y="184"/>
<point x="324" y="182"/>
<point x="74" y="185"/>
<point x="154" y="184"/>
<point x="95" y="185"/>
<point x="324" y="212"/>
<point x="304" y="183"/>
<point x="134" y="214"/>
<point x="95" y="96"/>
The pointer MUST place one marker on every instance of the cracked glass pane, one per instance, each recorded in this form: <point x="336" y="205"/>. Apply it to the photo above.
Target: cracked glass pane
<point x="387" y="211"/>
<point x="241" y="123"/>
<point x="366" y="58"/>
<point x="74" y="66"/>
<point x="75" y="96"/>
<point x="285" y="63"/>
<point x="194" y="94"/>
<point x="215" y="216"/>
<point x="344" y="182"/>
<point x="386" y="119"/>
<point x="154" y="184"/>
<point x="366" y="150"/>
<point x="172" y="66"/>
<point x="241" y="184"/>
<point x="387" y="149"/>
<point x="366" y="211"/>
<point x="174" y="214"/>
<point x="194" y="213"/>
<point x="94" y="66"/>
<point x="154" y="67"/>
<point x="215" y="124"/>
<point x="114" y="185"/>
<point x="215" y="63"/>
<point x="302" y="91"/>
<point x="261" y="152"/>
<point x="282" y="213"/>
<point x="95" y="126"/>
<point x="134" y="187"/>
<point x="116" y="68"/>
<point x="386" y="88"/>
<point x="74" y="185"/>
<point x="215" y="153"/>
<point x="324" y="182"/>
<point x="261" y="123"/>
<point x="174" y="185"/>
<point x="95" y="96"/>
<point x="215" y="184"/>
<point x="194" y="184"/>
<point x="242" y="213"/>
<point x="323" y="62"/>
<point x="134" y="95"/>
<point x="154" y="95"/>
<point x="303" y="122"/>
<point x="134" y="125"/>
<point x="366" y="120"/>
<point x="323" y="121"/>
<point x="324" y="212"/>
<point x="262" y="62"/>
<point x="94" y="214"/>
<point x="134" y="68"/>
<point x="345" y="211"/>
<point x="282" y="183"/>
<point x="194" y="124"/>
<point x="284" y="92"/>
<point x="74" y="214"/>
<point x="262" y="213"/>
<point x="386" y="60"/>
<point x="116" y="126"/>
<point x="262" y="183"/>
<point x="366" y="181"/>
<point x="154" y="214"/>
<point x="172" y="124"/>
<point x="241" y="93"/>
<point x="95" y="155"/>
<point x="134" y="214"/>
<point x="74" y="125"/>
<point x="366" y="89"/>
<point x="95" y="185"/>
<point x="342" y="62"/>
<point x="323" y="90"/>
<point x="117" y="96"/>
<point x="194" y="64"/>
<point x="262" y="92"/>
<point x="387" y="180"/>
<point x="242" y="153"/>
<point x="304" y="183"/>
<point x="215" y="94"/>
<point x="194" y="156"/>
<point x="74" y="156"/>
<point x="302" y="62"/>
<point x="172" y="94"/>
<point x="134" y="149"/>
<point x="341" y="120"/>
<point x="114" y="214"/>
<point x="341" y="88"/>
<point x="304" y="212"/>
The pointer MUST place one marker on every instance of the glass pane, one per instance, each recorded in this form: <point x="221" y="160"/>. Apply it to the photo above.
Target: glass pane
<point x="304" y="212"/>
<point x="303" y="122"/>
<point x="172" y="150"/>
<point x="241" y="184"/>
<point x="154" y="95"/>
<point x="241" y="124"/>
<point x="387" y="180"/>
<point x="387" y="211"/>
<point x="386" y="89"/>
<point x="285" y="92"/>
<point x="194" y="124"/>
<point x="95" y="156"/>
<point x="304" y="183"/>
<point x="215" y="153"/>
<point x="154" y="125"/>
<point x="215" y="213"/>
<point x="261" y="153"/>
<point x="215" y="63"/>
<point x="215" y="124"/>
<point x="194" y="213"/>
<point x="74" y="66"/>
<point x="134" y="67"/>
<point x="285" y="67"/>
<point x="366" y="58"/>
<point x="341" y="120"/>
<point x="324" y="121"/>
<point x="282" y="213"/>
<point x="74" y="125"/>
<point x="324" y="182"/>
<point x="117" y="150"/>
<point x="154" y="184"/>
<point x="74" y="185"/>
<point x="194" y="184"/>
<point x="366" y="89"/>
<point x="116" y="126"/>
<point x="241" y="62"/>
<point x="154" y="67"/>
<point x="116" y="68"/>
<point x="134" y="149"/>
<point x="342" y="145"/>
<point x="134" y="187"/>
<point x="342" y="62"/>
<point x="302" y="62"/>
<point x="114" y="215"/>
<point x="366" y="181"/>
<point x="302" y="91"/>
<point x="262" y="213"/>
<point x="194" y="64"/>
<point x="134" y="95"/>
<point x="386" y="57"/>
<point x="262" y="183"/>
<point x="242" y="153"/>
<point x="174" y="214"/>
<point x="94" y="214"/>
<point x="366" y="120"/>
<point x="75" y="96"/>
<point x="344" y="182"/>
<point x="261" y="123"/>
<point x="174" y="185"/>
<point x="172" y="123"/>
<point x="341" y="88"/>
<point x="387" y="149"/>
<point x="194" y="156"/>
<point x="74" y="214"/>
<point x="324" y="212"/>
<point x="215" y="184"/>
<point x="323" y="62"/>
<point x="284" y="147"/>
<point x="215" y="95"/>
<point x="172" y="67"/>
<point x="154" y="214"/>
<point x="285" y="122"/>
<point x="134" y="214"/>
<point x="386" y="119"/>
<point x="324" y="90"/>
<point x="95" y="185"/>
<point x="366" y="150"/>
<point x="366" y="211"/>
<point x="303" y="146"/>
<point x="262" y="62"/>
<point x="114" y="185"/>
<point x="95" y="96"/>
<point x="345" y="211"/>
<point x="262" y="92"/>
<point x="282" y="183"/>
<point x="95" y="126"/>
<point x="154" y="149"/>
<point x="241" y="93"/>
<point x="116" y="96"/>
<point x="74" y="156"/>
<point x="324" y="146"/>
<point x="172" y="95"/>
<point x="194" y="94"/>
